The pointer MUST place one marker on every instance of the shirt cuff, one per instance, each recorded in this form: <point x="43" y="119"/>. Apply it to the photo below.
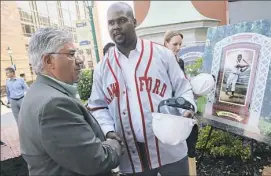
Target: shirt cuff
<point x="181" y="111"/>
<point x="107" y="128"/>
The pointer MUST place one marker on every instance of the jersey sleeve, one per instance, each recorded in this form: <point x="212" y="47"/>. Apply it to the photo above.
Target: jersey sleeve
<point x="97" y="103"/>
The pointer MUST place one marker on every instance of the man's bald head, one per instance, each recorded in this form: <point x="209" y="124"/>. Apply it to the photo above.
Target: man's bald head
<point x="121" y="6"/>
<point x="121" y="24"/>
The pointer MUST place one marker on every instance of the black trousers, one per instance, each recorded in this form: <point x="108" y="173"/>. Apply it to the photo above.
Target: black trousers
<point x="179" y="168"/>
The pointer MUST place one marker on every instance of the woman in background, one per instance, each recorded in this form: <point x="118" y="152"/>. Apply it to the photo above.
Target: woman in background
<point x="173" y="40"/>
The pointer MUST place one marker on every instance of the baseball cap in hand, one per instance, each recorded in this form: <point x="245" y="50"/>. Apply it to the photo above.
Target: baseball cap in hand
<point x="171" y="129"/>
<point x="202" y="84"/>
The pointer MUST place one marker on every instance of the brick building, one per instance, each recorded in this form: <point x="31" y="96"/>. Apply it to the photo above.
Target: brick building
<point x="19" y="19"/>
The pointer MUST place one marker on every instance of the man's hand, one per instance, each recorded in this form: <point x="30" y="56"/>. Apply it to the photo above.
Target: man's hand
<point x="188" y="114"/>
<point x="113" y="135"/>
<point x="120" y="149"/>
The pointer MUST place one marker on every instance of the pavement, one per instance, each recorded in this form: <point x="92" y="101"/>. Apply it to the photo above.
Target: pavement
<point x="9" y="134"/>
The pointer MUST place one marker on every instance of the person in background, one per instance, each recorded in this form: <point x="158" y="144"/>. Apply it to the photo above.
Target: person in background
<point x="173" y="40"/>
<point x="58" y="135"/>
<point x="15" y="89"/>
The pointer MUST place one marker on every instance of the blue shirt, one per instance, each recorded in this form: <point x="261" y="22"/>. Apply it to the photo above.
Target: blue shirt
<point x="15" y="88"/>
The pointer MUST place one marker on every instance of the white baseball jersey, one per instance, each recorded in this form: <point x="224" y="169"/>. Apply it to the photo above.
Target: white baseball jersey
<point x="126" y="91"/>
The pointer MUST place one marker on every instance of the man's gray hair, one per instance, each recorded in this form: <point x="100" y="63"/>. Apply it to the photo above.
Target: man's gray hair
<point x="46" y="40"/>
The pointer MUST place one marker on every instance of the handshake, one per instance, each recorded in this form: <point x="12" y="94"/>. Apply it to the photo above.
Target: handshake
<point x="116" y="142"/>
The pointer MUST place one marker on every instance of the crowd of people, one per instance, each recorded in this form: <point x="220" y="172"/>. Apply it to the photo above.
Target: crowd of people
<point x="60" y="136"/>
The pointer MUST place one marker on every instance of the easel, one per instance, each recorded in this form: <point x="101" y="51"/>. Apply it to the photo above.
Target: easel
<point x="252" y="169"/>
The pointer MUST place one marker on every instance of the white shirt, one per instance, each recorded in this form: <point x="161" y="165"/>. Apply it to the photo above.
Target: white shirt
<point x="128" y="67"/>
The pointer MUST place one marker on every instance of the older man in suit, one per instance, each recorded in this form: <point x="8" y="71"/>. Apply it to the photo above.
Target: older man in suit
<point x="58" y="135"/>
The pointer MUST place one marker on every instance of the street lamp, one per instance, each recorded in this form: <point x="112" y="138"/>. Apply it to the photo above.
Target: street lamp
<point x="9" y="53"/>
<point x="90" y="5"/>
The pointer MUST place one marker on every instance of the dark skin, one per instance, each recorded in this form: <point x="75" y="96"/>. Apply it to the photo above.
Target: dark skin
<point x="121" y="27"/>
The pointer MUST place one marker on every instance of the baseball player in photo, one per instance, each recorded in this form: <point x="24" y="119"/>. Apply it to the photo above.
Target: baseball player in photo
<point x="235" y="73"/>
<point x="128" y="84"/>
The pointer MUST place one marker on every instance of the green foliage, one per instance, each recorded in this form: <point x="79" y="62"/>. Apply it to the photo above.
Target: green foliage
<point x="194" y="69"/>
<point x="85" y="84"/>
<point x="223" y="144"/>
<point x="265" y="127"/>
<point x="201" y="102"/>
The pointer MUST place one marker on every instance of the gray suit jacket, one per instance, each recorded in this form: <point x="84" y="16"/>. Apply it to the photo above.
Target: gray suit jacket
<point x="58" y="136"/>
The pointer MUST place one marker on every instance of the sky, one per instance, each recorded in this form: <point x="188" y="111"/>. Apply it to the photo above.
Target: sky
<point x="102" y="7"/>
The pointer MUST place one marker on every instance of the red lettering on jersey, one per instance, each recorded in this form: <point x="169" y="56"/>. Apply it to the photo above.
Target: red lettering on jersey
<point x="113" y="91"/>
<point x="156" y="87"/>
<point x="149" y="84"/>
<point x="110" y="92"/>
<point x="164" y="88"/>
<point x="141" y="82"/>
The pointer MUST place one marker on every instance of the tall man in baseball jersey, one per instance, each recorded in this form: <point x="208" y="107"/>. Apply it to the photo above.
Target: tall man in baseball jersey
<point x="234" y="75"/>
<point x="128" y="84"/>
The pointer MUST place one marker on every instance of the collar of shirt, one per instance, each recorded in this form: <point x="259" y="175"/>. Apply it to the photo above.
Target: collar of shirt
<point x="12" y="79"/>
<point x="72" y="89"/>
<point x="138" y="48"/>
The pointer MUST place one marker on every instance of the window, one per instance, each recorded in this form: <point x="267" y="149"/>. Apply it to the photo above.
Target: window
<point x="54" y="23"/>
<point x="24" y="11"/>
<point x="53" y="10"/>
<point x="25" y="16"/>
<point x="88" y="51"/>
<point x="82" y="10"/>
<point x="77" y="10"/>
<point x="24" y="6"/>
<point x="64" y="5"/>
<point x="73" y="12"/>
<point x="42" y="7"/>
<point x="28" y="29"/>
<point x="44" y="20"/>
<point x="75" y="38"/>
<point x="26" y="48"/>
<point x="31" y="69"/>
<point x="66" y="18"/>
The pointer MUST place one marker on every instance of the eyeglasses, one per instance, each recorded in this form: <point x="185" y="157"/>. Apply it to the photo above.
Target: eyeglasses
<point x="72" y="55"/>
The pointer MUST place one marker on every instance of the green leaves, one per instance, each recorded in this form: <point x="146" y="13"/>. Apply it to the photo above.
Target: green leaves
<point x="223" y="144"/>
<point x="85" y="84"/>
<point x="265" y="127"/>
<point x="194" y="69"/>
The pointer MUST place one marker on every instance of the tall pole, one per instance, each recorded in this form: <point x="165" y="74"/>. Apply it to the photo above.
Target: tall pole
<point x="9" y="53"/>
<point x="90" y="7"/>
<point x="11" y="60"/>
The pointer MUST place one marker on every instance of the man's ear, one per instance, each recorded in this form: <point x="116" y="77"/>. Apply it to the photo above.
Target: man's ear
<point x="47" y="61"/>
<point x="135" y="22"/>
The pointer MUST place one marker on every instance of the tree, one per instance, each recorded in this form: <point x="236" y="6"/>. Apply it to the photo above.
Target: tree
<point x="85" y="84"/>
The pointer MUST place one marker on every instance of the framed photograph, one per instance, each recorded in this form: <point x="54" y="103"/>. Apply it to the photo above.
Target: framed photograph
<point x="235" y="81"/>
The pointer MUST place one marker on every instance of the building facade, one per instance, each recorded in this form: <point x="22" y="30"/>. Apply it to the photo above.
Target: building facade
<point x="211" y="9"/>
<point x="19" y="19"/>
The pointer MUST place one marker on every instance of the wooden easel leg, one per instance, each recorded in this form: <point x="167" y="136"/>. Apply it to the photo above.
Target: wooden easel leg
<point x="192" y="166"/>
